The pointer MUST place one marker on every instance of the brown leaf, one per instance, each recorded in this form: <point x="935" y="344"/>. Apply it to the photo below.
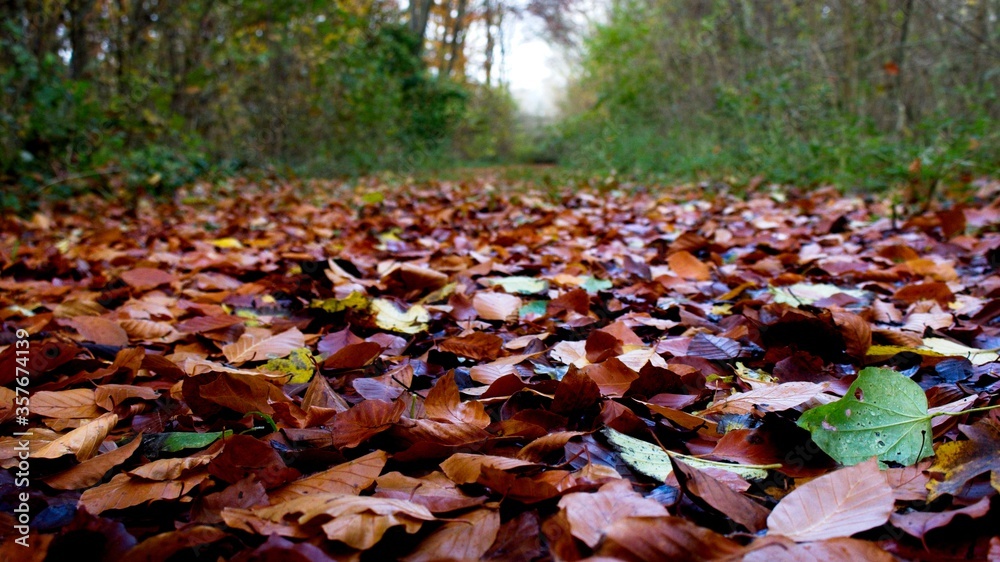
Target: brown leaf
<point x="721" y="497"/>
<point x="146" y="278"/>
<point x="479" y="346"/>
<point x="612" y="377"/>
<point x="838" y="504"/>
<point x="918" y="523"/>
<point x="335" y="341"/>
<point x="243" y="456"/>
<point x="517" y="539"/>
<point x="161" y="547"/>
<point x="465" y="468"/>
<point x="351" y="477"/>
<point x="857" y="333"/>
<point x="353" y="356"/>
<point x="162" y="470"/>
<point x="252" y="348"/>
<point x="434" y="491"/>
<point x="73" y="403"/>
<point x="590" y="514"/>
<point x="82" y="442"/>
<point x="110" y="396"/>
<point x="774" y="398"/>
<point x="935" y="291"/>
<point x="100" y="330"/>
<point x="124" y="491"/>
<point x="365" y="420"/>
<point x="277" y="549"/>
<point x="576" y="392"/>
<point x="443" y="403"/>
<point x="467" y="537"/>
<point x="358" y="521"/>
<point x="958" y="462"/>
<point x="240" y="393"/>
<point x="664" y="538"/>
<point x="91" y="471"/>
<point x="713" y="347"/>
<point x="202" y="324"/>
<point x="776" y="548"/>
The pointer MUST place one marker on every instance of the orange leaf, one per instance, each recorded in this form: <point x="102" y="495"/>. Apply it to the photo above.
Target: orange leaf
<point x="685" y="265"/>
<point x="91" y="471"/>
<point x="464" y="468"/>
<point x="467" y="537"/>
<point x="74" y="403"/>
<point x="443" y="403"/>
<point x="82" y="441"/>
<point x="124" y="491"/>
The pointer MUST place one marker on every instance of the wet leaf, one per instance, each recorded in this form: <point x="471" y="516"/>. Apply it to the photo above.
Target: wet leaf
<point x="883" y="414"/>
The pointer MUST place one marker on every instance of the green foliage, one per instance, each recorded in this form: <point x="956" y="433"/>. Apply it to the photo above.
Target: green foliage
<point x="212" y="88"/>
<point x="712" y="90"/>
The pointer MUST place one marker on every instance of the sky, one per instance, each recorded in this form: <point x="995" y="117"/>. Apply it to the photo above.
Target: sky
<point x="535" y="70"/>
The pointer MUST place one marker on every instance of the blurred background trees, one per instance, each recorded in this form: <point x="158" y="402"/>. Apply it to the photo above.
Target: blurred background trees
<point x="857" y="92"/>
<point x="861" y="93"/>
<point x="164" y="90"/>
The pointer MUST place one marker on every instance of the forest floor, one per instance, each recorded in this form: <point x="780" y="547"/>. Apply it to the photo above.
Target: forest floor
<point x="470" y="370"/>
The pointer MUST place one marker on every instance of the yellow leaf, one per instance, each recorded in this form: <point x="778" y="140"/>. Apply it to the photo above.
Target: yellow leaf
<point x="299" y="364"/>
<point x="227" y="243"/>
<point x="389" y="317"/>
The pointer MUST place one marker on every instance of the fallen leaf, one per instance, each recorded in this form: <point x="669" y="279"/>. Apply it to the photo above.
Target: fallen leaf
<point x="590" y="514"/>
<point x="351" y="477"/>
<point x="82" y="442"/>
<point x="767" y="399"/>
<point x="466" y="537"/>
<point x="838" y="504"/>
<point x="251" y="348"/>
<point x="100" y="330"/>
<point x="92" y="470"/>
<point x="883" y="414"/>
<point x="958" y="462"/>
<point x="664" y="538"/>
<point x="919" y="523"/>
<point x="388" y="316"/>
<point x="497" y="306"/>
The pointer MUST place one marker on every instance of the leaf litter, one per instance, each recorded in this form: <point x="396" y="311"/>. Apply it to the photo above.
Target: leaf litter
<point x="303" y="370"/>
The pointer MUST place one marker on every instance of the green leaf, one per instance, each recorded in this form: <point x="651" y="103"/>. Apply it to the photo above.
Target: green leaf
<point x="593" y="284"/>
<point x="883" y="414"/>
<point x="537" y="308"/>
<point x="520" y="284"/>
<point x="299" y="364"/>
<point x="372" y="198"/>
<point x="173" y="442"/>
<point x="654" y="462"/>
